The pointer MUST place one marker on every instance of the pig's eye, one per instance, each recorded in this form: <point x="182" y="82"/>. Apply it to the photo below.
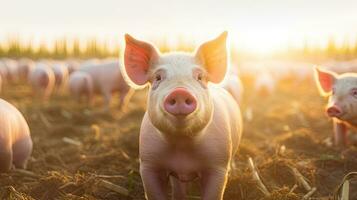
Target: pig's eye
<point x="354" y="92"/>
<point x="333" y="91"/>
<point x="199" y="77"/>
<point x="158" y="77"/>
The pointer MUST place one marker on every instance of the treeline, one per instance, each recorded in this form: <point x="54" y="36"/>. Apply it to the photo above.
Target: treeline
<point x="60" y="49"/>
<point x="74" y="48"/>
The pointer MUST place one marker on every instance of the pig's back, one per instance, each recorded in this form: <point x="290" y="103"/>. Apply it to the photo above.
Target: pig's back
<point x="103" y="73"/>
<point x="12" y="122"/>
<point x="226" y="110"/>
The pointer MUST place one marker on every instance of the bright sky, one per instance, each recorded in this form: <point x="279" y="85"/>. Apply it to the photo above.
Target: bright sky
<point x="253" y="25"/>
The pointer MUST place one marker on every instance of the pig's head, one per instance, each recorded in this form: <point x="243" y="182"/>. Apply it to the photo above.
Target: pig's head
<point x="342" y="93"/>
<point x="179" y="101"/>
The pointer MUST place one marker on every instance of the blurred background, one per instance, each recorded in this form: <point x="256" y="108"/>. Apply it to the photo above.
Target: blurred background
<point x="308" y="30"/>
<point x="80" y="146"/>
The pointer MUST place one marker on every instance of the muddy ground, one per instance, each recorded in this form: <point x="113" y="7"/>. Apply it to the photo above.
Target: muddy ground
<point x="106" y="147"/>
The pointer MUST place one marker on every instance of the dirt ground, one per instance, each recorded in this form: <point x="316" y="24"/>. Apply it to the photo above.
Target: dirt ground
<point x="105" y="147"/>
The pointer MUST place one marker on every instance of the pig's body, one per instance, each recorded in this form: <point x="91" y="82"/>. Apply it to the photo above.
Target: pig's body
<point x="234" y="86"/>
<point x="81" y="84"/>
<point x="187" y="159"/>
<point x="107" y="79"/>
<point x="60" y="72"/>
<point x="264" y="84"/>
<point x="15" y="140"/>
<point x="192" y="128"/>
<point x="12" y="74"/>
<point x="42" y="80"/>
<point x="25" y="66"/>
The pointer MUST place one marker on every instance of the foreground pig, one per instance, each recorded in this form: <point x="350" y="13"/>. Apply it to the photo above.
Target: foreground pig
<point x="107" y="79"/>
<point x="61" y="77"/>
<point x="81" y="84"/>
<point x="342" y="103"/>
<point x="42" y="80"/>
<point x="15" y="140"/>
<point x="192" y="128"/>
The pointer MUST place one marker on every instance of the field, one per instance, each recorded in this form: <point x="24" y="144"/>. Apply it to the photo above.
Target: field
<point x="76" y="147"/>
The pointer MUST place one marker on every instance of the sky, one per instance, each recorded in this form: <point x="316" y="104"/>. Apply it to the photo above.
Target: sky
<point x="260" y="26"/>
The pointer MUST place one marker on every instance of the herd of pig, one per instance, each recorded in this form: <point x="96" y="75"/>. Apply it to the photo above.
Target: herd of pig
<point x="192" y="126"/>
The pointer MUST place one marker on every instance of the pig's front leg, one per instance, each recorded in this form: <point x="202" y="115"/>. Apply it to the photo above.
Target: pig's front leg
<point x="213" y="183"/>
<point x="340" y="133"/>
<point x="155" y="183"/>
<point x="178" y="189"/>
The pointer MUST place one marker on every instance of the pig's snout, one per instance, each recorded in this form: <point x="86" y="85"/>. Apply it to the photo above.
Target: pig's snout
<point x="334" y="111"/>
<point x="180" y="102"/>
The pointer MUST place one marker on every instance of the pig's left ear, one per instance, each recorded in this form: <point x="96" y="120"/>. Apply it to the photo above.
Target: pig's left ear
<point x="138" y="58"/>
<point x="324" y="80"/>
<point x="213" y="55"/>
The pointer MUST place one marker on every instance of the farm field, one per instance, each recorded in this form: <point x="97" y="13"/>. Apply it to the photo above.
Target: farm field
<point x="77" y="149"/>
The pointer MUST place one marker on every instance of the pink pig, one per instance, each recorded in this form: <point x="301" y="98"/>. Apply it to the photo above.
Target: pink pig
<point x="81" y="84"/>
<point x="61" y="77"/>
<point x="234" y="86"/>
<point x="15" y="139"/>
<point x="342" y="104"/>
<point x="25" y="66"/>
<point x="192" y="128"/>
<point x="107" y="79"/>
<point x="42" y="80"/>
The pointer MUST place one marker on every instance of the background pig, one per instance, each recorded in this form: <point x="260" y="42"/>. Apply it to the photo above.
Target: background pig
<point x="11" y="66"/>
<point x="81" y="84"/>
<point x="191" y="128"/>
<point x="61" y="77"/>
<point x="15" y="140"/>
<point x="342" y="104"/>
<point x="264" y="84"/>
<point x="234" y="86"/>
<point x="42" y="80"/>
<point x="25" y="66"/>
<point x="107" y="79"/>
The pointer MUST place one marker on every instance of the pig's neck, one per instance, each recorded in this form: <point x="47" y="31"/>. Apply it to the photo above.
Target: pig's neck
<point x="180" y="140"/>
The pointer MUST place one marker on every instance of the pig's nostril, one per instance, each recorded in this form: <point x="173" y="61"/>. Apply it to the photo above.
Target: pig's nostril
<point x="172" y="102"/>
<point x="188" y="101"/>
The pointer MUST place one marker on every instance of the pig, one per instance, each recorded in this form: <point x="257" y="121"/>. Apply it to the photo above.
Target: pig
<point x="342" y="104"/>
<point x="3" y="71"/>
<point x="42" y="80"/>
<point x="81" y="84"/>
<point x="15" y="139"/>
<point x="25" y="66"/>
<point x="107" y="79"/>
<point x="234" y="86"/>
<point x="12" y="70"/>
<point x="264" y="84"/>
<point x="192" y="127"/>
<point x="61" y="77"/>
<point x="72" y="65"/>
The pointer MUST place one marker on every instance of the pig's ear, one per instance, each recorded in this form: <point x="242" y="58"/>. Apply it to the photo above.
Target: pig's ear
<point x="213" y="55"/>
<point x="324" y="80"/>
<point x="138" y="57"/>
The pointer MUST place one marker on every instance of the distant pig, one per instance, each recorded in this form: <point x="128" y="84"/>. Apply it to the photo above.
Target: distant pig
<point x="234" y="86"/>
<point x="42" y="80"/>
<point x="61" y="77"/>
<point x="264" y="84"/>
<point x="192" y="128"/>
<point x="107" y="79"/>
<point x="15" y="140"/>
<point x="342" y="103"/>
<point x="81" y="84"/>
<point x="24" y="68"/>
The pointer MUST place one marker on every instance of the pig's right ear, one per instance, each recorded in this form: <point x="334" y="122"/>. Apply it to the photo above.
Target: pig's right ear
<point x="324" y="80"/>
<point x="138" y="57"/>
